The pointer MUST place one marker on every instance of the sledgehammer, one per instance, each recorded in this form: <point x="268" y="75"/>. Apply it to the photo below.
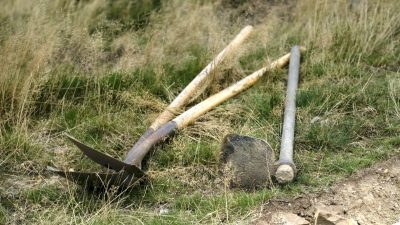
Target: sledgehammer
<point x="249" y="162"/>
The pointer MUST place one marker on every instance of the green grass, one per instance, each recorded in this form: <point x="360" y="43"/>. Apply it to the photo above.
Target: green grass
<point x="106" y="74"/>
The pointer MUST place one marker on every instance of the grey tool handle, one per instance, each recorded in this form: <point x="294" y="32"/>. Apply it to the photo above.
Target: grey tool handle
<point x="287" y="168"/>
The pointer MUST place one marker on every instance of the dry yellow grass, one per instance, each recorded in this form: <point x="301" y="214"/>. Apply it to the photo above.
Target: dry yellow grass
<point x="91" y="68"/>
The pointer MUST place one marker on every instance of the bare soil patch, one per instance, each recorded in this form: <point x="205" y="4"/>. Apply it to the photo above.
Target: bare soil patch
<point x="370" y="196"/>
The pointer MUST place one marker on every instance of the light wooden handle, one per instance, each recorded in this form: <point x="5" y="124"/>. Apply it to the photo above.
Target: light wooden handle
<point x="200" y="109"/>
<point x="198" y="84"/>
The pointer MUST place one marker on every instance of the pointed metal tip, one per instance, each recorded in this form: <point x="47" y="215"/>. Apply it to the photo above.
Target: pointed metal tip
<point x="105" y="160"/>
<point x="77" y="143"/>
<point x="72" y="139"/>
<point x="69" y="136"/>
<point x="95" y="155"/>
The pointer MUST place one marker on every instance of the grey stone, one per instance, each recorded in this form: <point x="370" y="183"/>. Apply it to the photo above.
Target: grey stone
<point x="247" y="162"/>
<point x="331" y="216"/>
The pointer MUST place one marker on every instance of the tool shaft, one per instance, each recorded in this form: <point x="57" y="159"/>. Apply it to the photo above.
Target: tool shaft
<point x="211" y="102"/>
<point x="287" y="141"/>
<point x="200" y="82"/>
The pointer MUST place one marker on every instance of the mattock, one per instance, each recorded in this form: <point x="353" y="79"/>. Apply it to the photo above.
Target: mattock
<point x="128" y="172"/>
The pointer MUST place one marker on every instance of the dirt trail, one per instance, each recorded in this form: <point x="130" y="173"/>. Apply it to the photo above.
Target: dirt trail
<point x="371" y="196"/>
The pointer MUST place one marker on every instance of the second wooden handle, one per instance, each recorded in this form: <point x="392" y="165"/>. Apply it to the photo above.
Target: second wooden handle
<point x="200" y="109"/>
<point x="200" y="81"/>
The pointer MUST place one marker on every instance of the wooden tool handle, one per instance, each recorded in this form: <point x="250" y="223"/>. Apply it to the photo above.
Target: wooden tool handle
<point x="200" y="109"/>
<point x="196" y="86"/>
<point x="200" y="81"/>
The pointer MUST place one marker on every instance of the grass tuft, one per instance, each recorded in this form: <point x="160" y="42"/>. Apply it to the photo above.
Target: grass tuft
<point x="102" y="70"/>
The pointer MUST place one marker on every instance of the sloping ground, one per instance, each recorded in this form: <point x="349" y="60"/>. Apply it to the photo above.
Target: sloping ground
<point x="371" y="196"/>
<point x="102" y="71"/>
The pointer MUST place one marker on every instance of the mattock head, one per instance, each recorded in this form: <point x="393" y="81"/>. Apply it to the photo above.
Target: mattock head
<point x="104" y="159"/>
<point x="122" y="174"/>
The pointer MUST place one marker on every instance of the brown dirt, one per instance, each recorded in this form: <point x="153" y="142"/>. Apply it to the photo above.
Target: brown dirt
<point x="370" y="196"/>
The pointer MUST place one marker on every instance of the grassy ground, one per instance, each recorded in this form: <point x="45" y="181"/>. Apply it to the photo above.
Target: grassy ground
<point x="102" y="70"/>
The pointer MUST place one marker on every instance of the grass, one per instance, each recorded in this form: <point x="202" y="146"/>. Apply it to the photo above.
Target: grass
<point x="102" y="71"/>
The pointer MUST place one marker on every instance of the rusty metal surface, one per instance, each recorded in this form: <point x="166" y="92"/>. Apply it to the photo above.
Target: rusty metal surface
<point x="138" y="152"/>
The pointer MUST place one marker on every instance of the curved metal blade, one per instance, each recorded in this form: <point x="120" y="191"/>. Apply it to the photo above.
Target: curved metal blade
<point x="89" y="179"/>
<point x="105" y="160"/>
